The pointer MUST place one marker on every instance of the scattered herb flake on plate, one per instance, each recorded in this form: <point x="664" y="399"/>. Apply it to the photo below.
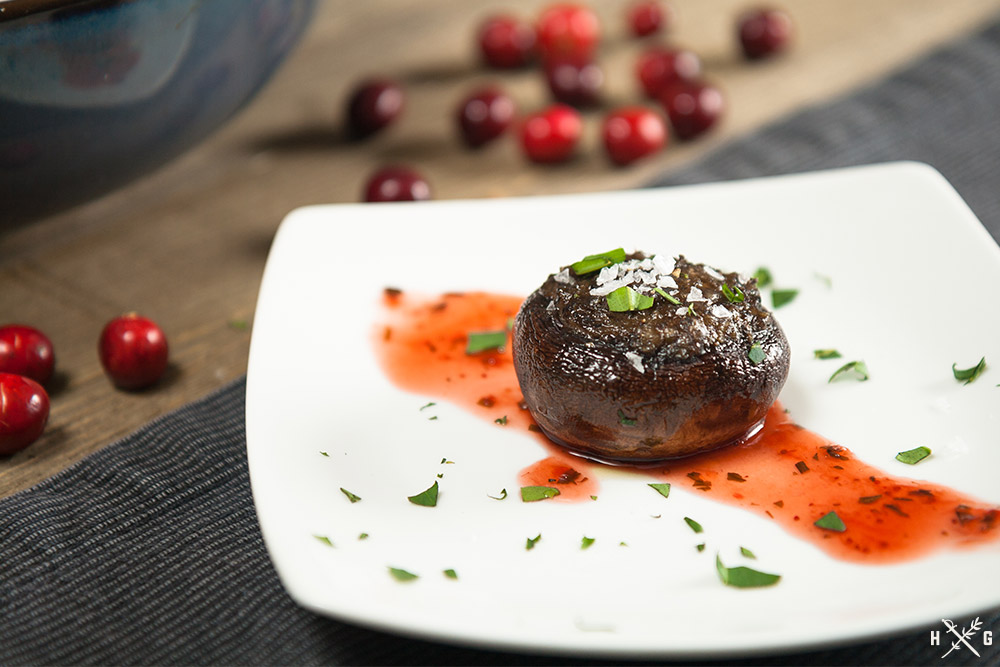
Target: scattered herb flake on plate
<point x="363" y="536"/>
<point x="744" y="577"/>
<point x="781" y="297"/>
<point x="426" y="498"/>
<point x="969" y="374"/>
<point x="700" y="547"/>
<point x="324" y="539"/>
<point x="830" y="521"/>
<point x="503" y="494"/>
<point x="586" y="542"/>
<point x="852" y="370"/>
<point x="350" y="496"/>
<point x="400" y="574"/>
<point x="451" y="574"/>
<point x="663" y="489"/>
<point x="695" y="526"/>
<point x="486" y="340"/>
<point x="531" y="542"/>
<point x="746" y="552"/>
<point x="913" y="456"/>
<point x="828" y="353"/>
<point x="428" y="405"/>
<point x="530" y="494"/>
<point x="326" y="454"/>
<point x="763" y="276"/>
<point x="501" y="420"/>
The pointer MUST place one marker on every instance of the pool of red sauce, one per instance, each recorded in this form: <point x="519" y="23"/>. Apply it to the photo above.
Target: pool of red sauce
<point x="785" y="473"/>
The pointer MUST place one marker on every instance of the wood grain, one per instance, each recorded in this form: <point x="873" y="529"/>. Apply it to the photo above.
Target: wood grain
<point x="187" y="244"/>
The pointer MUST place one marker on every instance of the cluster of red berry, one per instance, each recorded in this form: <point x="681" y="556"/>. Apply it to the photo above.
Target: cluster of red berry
<point x="132" y="350"/>
<point x="564" y="40"/>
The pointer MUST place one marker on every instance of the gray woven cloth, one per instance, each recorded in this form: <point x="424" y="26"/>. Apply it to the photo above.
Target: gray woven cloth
<point x="148" y="552"/>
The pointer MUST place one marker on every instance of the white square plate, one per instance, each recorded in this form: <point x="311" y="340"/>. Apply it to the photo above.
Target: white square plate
<point x="911" y="274"/>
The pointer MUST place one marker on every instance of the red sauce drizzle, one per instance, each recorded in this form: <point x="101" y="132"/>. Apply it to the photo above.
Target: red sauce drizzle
<point x="785" y="473"/>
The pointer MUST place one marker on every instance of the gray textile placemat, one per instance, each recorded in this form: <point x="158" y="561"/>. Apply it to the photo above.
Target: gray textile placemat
<point x="148" y="552"/>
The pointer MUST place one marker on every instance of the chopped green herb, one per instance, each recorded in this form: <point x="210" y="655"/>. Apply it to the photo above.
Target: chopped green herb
<point x="625" y="299"/>
<point x="744" y="577"/>
<point x="426" y="498"/>
<point x="434" y="418"/>
<point x="325" y="454"/>
<point x="830" y="521"/>
<point x="363" y="536"/>
<point x="852" y="370"/>
<point x="592" y="263"/>
<point x="780" y="297"/>
<point x="735" y="477"/>
<point x="662" y="489"/>
<point x="695" y="526"/>
<point x="826" y="280"/>
<point x="868" y="500"/>
<point x="486" y="340"/>
<point x="746" y="552"/>
<point x="503" y="494"/>
<point x="440" y="475"/>
<point x="672" y="299"/>
<point x="763" y="276"/>
<point x="622" y="544"/>
<point x="350" y="496"/>
<point x="700" y="547"/>
<point x="451" y="574"/>
<point x="586" y="542"/>
<point x="324" y="539"/>
<point x="756" y="354"/>
<point x="734" y="295"/>
<point x="691" y="309"/>
<point x="429" y="405"/>
<point x="829" y="353"/>
<point x="402" y="575"/>
<point x="445" y="461"/>
<point x="626" y="421"/>
<point x="502" y="421"/>
<point x="530" y="494"/>
<point x="239" y="325"/>
<point x="531" y="542"/>
<point x="593" y="497"/>
<point x="969" y="374"/>
<point x="913" y="456"/>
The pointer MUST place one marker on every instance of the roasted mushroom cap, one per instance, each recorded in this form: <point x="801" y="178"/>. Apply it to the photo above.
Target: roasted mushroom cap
<point x="695" y="370"/>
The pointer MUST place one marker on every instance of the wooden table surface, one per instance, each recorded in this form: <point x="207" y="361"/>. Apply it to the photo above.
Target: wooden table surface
<point x="186" y="245"/>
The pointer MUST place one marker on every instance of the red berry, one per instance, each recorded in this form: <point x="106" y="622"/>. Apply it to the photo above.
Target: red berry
<point x="632" y="133"/>
<point x="551" y="135"/>
<point x="373" y="105"/>
<point x="646" y="17"/>
<point x="764" y="32"/>
<point x="24" y="409"/>
<point x="568" y="31"/>
<point x="485" y="115"/>
<point x="692" y="106"/>
<point x="659" y="67"/>
<point x="397" y="184"/>
<point x="506" y="42"/>
<point x="26" y="351"/>
<point x="575" y="82"/>
<point x="133" y="351"/>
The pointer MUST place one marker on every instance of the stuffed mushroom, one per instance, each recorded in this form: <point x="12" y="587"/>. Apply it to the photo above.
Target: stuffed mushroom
<point x="628" y="358"/>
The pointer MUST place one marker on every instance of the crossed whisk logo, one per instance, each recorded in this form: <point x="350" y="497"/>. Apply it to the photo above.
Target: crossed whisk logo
<point x="962" y="637"/>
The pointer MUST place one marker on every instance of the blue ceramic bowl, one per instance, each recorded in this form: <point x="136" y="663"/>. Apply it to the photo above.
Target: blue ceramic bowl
<point x="94" y="93"/>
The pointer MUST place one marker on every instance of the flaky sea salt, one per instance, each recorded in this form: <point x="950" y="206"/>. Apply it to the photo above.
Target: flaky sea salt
<point x="636" y="361"/>
<point x="563" y="277"/>
<point x="720" y="311"/>
<point x="695" y="295"/>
